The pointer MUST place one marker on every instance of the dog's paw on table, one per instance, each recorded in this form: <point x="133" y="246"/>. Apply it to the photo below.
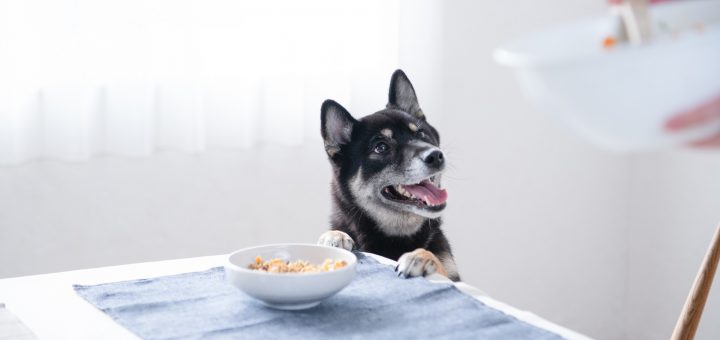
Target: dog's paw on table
<point x="419" y="262"/>
<point x="337" y="239"/>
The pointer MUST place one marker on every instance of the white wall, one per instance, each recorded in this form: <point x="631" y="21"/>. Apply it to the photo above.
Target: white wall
<point x="536" y="216"/>
<point x="61" y="216"/>
<point x="675" y="208"/>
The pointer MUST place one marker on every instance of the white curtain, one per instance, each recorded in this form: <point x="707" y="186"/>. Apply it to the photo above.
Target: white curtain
<point x="85" y="77"/>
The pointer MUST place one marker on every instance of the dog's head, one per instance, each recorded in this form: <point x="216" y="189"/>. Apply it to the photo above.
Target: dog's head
<point x="389" y="163"/>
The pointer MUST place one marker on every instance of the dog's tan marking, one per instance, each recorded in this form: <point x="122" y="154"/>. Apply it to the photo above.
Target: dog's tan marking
<point x="447" y="261"/>
<point x="419" y="113"/>
<point x="428" y="256"/>
<point x="331" y="149"/>
<point x="412" y="127"/>
<point x="387" y="133"/>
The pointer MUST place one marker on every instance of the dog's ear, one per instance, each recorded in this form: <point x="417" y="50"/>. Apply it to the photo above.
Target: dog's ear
<point x="336" y="126"/>
<point x="402" y="95"/>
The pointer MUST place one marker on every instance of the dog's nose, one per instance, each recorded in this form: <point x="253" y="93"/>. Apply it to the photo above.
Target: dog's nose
<point x="435" y="159"/>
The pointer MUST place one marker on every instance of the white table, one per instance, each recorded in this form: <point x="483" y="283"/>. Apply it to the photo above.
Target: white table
<point x="49" y="307"/>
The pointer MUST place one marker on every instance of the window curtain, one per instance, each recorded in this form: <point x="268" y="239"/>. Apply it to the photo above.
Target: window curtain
<point x="80" y="78"/>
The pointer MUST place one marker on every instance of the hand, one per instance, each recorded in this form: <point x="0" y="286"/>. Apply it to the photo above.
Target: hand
<point x="706" y="113"/>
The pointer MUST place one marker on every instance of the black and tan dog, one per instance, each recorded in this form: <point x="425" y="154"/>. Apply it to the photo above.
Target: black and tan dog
<point x="387" y="197"/>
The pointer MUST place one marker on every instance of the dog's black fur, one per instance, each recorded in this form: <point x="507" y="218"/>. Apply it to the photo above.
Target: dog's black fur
<point x="377" y="226"/>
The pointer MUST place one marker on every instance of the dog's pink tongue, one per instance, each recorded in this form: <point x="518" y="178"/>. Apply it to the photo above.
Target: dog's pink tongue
<point x="428" y="192"/>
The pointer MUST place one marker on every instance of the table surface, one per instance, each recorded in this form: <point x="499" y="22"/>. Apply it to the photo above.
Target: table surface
<point x="49" y="307"/>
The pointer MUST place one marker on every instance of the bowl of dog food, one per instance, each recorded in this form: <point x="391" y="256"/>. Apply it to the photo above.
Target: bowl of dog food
<point x="618" y="95"/>
<point x="290" y="276"/>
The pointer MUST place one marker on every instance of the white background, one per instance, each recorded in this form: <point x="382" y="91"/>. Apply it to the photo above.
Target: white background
<point x="603" y="243"/>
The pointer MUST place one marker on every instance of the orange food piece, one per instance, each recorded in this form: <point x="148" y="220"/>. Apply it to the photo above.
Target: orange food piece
<point x="609" y="42"/>
<point x="278" y="265"/>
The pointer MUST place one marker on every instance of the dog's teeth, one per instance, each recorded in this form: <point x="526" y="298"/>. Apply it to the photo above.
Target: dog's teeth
<point x="401" y="190"/>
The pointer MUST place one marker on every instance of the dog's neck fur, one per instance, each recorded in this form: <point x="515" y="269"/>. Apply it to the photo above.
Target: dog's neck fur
<point x="409" y="231"/>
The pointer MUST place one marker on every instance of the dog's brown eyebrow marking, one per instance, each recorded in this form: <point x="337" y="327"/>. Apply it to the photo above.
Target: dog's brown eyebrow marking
<point x="412" y="127"/>
<point x="387" y="133"/>
<point x="331" y="149"/>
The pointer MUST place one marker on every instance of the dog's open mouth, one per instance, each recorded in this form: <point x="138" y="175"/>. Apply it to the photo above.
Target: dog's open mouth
<point x="425" y="194"/>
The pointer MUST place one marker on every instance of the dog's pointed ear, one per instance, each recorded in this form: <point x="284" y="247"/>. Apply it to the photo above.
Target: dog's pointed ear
<point x="336" y="126"/>
<point x="402" y="95"/>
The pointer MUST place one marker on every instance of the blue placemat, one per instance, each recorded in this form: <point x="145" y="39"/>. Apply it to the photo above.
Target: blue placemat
<point x="376" y="305"/>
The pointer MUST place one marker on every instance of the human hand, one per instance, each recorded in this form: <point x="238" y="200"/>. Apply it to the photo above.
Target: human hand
<point x="707" y="113"/>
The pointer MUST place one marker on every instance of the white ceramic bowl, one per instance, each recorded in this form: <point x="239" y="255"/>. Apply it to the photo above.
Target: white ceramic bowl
<point x="290" y="291"/>
<point x="620" y="98"/>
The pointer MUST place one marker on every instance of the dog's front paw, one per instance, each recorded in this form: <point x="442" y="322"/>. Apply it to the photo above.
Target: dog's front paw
<point x="419" y="262"/>
<point x="336" y="238"/>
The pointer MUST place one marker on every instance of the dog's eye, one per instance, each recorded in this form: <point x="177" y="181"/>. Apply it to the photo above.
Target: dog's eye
<point x="381" y="148"/>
